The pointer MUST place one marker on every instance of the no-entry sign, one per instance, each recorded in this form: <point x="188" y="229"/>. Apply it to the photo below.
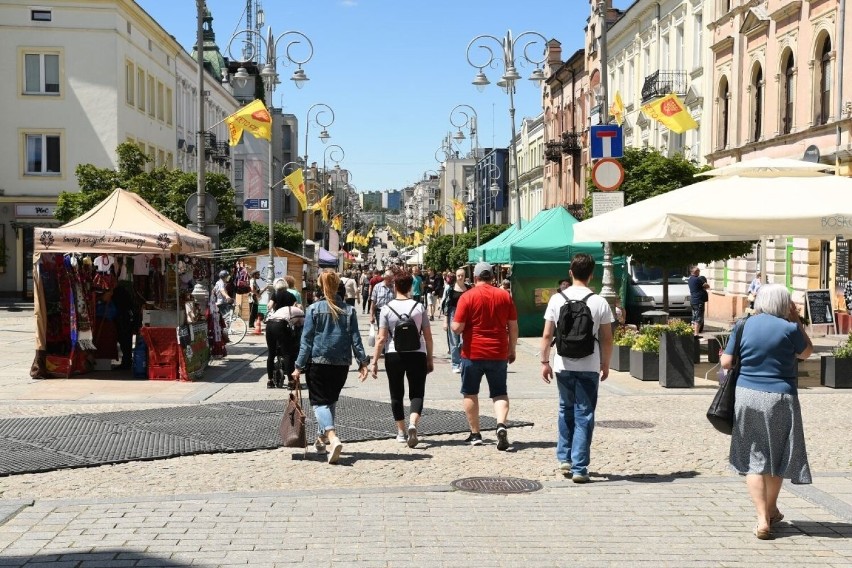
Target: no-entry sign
<point x="607" y="174"/>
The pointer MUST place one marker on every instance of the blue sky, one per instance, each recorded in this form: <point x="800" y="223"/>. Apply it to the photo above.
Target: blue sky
<point x="392" y="70"/>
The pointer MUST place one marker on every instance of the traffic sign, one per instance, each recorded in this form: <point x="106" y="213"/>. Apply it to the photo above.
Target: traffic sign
<point x="607" y="174"/>
<point x="606" y="202"/>
<point x="211" y="208"/>
<point x="606" y="141"/>
<point x="256" y="204"/>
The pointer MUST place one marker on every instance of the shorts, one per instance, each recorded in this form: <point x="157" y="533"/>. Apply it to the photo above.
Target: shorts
<point x="495" y="373"/>
<point x="698" y="313"/>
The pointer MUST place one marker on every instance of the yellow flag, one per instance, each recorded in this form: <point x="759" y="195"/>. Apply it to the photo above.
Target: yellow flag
<point x="323" y="206"/>
<point x="440" y="221"/>
<point x="370" y="233"/>
<point x="296" y="182"/>
<point x="670" y="112"/>
<point x="427" y="230"/>
<point x="350" y="238"/>
<point x="253" y="118"/>
<point x="337" y="223"/>
<point x="418" y="238"/>
<point x="616" y="109"/>
<point x="458" y="209"/>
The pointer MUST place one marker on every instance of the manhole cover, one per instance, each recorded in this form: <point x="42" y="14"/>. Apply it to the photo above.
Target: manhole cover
<point x="501" y="485"/>
<point x="623" y="424"/>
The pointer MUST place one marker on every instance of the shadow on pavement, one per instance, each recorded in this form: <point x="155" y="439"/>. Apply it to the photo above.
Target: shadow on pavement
<point x="349" y="459"/>
<point x="112" y="557"/>
<point x="811" y="528"/>
<point x="648" y="477"/>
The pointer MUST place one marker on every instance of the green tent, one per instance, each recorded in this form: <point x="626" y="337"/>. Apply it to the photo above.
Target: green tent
<point x="476" y="254"/>
<point x="540" y="255"/>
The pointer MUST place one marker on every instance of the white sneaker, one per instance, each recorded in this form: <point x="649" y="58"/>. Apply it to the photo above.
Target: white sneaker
<point x="457" y="370"/>
<point x="334" y="453"/>
<point x="319" y="446"/>
<point x="401" y="437"/>
<point x="412" y="436"/>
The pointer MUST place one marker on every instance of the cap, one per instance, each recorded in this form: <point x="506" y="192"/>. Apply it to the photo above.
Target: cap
<point x="482" y="270"/>
<point x="223" y="273"/>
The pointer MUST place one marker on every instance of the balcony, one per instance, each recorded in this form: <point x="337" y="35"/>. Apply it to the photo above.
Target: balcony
<point x="210" y="146"/>
<point x="223" y="150"/>
<point x="553" y="151"/>
<point x="572" y="142"/>
<point x="661" y="83"/>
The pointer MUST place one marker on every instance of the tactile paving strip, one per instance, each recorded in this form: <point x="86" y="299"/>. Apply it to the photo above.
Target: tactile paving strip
<point x="29" y="445"/>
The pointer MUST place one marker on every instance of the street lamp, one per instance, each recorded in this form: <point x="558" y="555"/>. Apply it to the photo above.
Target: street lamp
<point x="464" y="116"/>
<point x="320" y="110"/>
<point x="330" y="153"/>
<point x="507" y="81"/>
<point x="269" y="74"/>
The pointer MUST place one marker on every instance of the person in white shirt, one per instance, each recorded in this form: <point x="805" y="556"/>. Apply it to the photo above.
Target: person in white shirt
<point x="350" y="287"/>
<point x="577" y="379"/>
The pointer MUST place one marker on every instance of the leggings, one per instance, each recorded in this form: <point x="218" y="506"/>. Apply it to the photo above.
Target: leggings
<point x="398" y="366"/>
<point x="280" y="340"/>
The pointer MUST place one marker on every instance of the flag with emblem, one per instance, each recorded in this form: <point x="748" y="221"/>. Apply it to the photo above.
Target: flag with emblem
<point x="671" y="113"/>
<point x="458" y="209"/>
<point x="337" y="223"/>
<point x="252" y="118"/>
<point x="616" y="109"/>
<point x="296" y="182"/>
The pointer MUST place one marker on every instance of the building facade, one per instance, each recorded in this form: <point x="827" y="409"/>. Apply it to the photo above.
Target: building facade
<point x="530" y="148"/>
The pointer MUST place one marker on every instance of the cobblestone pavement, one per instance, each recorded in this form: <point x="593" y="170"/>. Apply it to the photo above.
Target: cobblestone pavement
<point x="665" y="484"/>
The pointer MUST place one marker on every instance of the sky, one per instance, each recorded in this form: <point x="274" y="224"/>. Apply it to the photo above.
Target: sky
<point x="392" y="70"/>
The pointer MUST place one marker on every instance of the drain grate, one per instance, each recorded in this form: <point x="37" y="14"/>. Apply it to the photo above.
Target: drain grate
<point x="496" y="485"/>
<point x="638" y="424"/>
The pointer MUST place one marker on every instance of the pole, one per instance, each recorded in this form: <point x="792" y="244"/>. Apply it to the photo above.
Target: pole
<point x="608" y="292"/>
<point x="270" y="86"/>
<point x="201" y="145"/>
<point x="514" y="157"/>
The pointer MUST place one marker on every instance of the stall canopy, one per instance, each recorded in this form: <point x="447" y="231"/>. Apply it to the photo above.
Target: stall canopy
<point x="549" y="238"/>
<point x="481" y="252"/>
<point x="123" y="223"/>
<point x="326" y="259"/>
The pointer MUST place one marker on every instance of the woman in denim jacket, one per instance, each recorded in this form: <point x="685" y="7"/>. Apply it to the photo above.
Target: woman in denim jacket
<point x="329" y="339"/>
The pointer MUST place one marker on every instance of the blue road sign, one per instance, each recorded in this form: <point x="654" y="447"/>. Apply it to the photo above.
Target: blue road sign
<point x="606" y="141"/>
<point x="256" y="204"/>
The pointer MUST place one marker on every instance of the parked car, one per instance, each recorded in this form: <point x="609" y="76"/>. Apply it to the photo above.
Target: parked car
<point x="645" y="292"/>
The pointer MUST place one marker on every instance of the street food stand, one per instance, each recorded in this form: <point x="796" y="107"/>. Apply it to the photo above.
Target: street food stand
<point x="286" y="263"/>
<point x="135" y="249"/>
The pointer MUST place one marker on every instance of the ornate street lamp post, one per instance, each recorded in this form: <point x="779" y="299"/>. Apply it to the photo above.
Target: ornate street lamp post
<point x="323" y="116"/>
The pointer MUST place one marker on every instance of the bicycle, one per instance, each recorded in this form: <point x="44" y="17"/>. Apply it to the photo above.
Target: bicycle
<point x="235" y="326"/>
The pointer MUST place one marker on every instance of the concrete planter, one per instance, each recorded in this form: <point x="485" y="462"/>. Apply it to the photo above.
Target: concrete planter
<point x="620" y="358"/>
<point x="644" y="366"/>
<point x="835" y="373"/>
<point x="677" y="366"/>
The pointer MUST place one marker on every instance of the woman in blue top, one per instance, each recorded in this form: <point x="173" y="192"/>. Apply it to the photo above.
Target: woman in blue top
<point x="768" y="441"/>
<point x="329" y="339"/>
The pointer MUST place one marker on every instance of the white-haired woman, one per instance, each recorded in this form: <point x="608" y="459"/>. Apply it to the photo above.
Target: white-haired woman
<point x="768" y="441"/>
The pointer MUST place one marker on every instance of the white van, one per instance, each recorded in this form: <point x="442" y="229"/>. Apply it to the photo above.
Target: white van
<point x="645" y="291"/>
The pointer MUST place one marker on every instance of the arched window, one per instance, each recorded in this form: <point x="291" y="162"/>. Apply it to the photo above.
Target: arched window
<point x="757" y="103"/>
<point x="723" y="114"/>
<point x="787" y="94"/>
<point x="824" y="95"/>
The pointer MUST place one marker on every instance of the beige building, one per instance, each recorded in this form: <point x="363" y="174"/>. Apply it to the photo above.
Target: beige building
<point x="529" y="145"/>
<point x="84" y="76"/>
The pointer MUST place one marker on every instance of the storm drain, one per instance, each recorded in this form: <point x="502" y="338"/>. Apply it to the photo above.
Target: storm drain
<point x="496" y="485"/>
<point x="624" y="424"/>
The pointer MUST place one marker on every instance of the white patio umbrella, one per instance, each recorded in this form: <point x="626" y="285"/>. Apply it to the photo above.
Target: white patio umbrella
<point x="772" y="198"/>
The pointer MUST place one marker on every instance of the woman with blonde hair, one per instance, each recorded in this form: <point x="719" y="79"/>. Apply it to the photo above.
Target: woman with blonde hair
<point x="768" y="441"/>
<point x="330" y="337"/>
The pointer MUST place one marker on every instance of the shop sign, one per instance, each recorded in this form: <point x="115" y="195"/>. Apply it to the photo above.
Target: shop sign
<point x="35" y="210"/>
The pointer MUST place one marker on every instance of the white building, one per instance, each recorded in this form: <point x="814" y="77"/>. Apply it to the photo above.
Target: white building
<point x="530" y="147"/>
<point x="83" y="77"/>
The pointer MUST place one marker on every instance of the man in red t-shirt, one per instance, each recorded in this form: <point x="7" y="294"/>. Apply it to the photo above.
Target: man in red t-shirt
<point x="377" y="277"/>
<point x="487" y="320"/>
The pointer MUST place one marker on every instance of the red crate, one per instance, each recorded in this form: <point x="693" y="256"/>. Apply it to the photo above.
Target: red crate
<point x="163" y="372"/>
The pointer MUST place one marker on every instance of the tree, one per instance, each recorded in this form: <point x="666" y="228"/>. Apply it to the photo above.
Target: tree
<point x="166" y="190"/>
<point x="442" y="255"/>
<point x="255" y="237"/>
<point x="437" y="252"/>
<point x="647" y="173"/>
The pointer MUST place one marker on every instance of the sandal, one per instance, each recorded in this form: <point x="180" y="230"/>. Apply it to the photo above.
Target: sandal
<point x="776" y="518"/>
<point x="762" y="534"/>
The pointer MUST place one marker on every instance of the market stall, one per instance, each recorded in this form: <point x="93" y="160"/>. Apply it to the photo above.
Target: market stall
<point x="120" y="261"/>
<point x="286" y="263"/>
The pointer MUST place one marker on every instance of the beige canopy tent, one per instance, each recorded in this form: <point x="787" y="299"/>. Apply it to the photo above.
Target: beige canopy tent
<point x="123" y="223"/>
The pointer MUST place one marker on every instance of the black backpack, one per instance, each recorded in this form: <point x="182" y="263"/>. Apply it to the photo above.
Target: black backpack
<point x="575" y="336"/>
<point x="406" y="336"/>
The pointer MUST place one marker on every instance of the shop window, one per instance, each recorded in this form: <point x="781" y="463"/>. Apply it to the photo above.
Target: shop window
<point x="41" y="73"/>
<point x="42" y="154"/>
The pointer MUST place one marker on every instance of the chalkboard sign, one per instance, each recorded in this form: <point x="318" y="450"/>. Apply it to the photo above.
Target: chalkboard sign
<point x="820" y="307"/>
<point x="842" y="263"/>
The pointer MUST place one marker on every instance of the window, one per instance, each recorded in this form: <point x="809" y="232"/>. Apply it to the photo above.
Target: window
<point x="238" y="170"/>
<point x="161" y="103"/>
<point x="140" y="89"/>
<point x="130" y="83"/>
<point x="152" y="155"/>
<point x="646" y="56"/>
<point x="788" y="89"/>
<point x="664" y="53"/>
<point x="41" y="15"/>
<point x="169" y="113"/>
<point x="41" y="73"/>
<point x="757" y="104"/>
<point x="170" y="160"/>
<point x="161" y="158"/>
<point x="698" y="39"/>
<point x="679" y="48"/>
<point x="43" y="154"/>
<point x="724" y="101"/>
<point x="152" y="87"/>
<point x="824" y="100"/>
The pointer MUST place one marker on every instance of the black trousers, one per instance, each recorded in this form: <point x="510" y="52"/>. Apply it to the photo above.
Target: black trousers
<point x="398" y="367"/>
<point x="252" y="313"/>
<point x="280" y="340"/>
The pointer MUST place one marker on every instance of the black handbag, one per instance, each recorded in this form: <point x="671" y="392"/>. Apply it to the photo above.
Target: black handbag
<point x="721" y="411"/>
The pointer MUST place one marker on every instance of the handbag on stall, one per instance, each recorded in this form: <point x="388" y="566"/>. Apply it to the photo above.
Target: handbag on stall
<point x="292" y="428"/>
<point x="721" y="411"/>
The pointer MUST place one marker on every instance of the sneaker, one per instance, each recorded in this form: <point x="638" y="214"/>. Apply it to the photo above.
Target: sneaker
<point x="474" y="439"/>
<point x="457" y="370"/>
<point x="270" y="384"/>
<point x="565" y="467"/>
<point x="319" y="446"/>
<point x="412" y="436"/>
<point x="502" y="439"/>
<point x="334" y="453"/>
<point x="401" y="437"/>
<point x="580" y="478"/>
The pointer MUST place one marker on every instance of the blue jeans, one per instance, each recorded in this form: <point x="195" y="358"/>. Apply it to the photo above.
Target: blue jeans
<point x="454" y="342"/>
<point x="578" y="397"/>
<point x="324" y="414"/>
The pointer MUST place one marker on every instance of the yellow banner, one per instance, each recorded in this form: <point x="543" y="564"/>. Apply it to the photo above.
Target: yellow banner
<point x="616" y="109"/>
<point x="337" y="223"/>
<point x="296" y="182"/>
<point x="440" y="222"/>
<point x="418" y="238"/>
<point x="253" y="118"/>
<point x="458" y="209"/>
<point x="350" y="238"/>
<point x="671" y="113"/>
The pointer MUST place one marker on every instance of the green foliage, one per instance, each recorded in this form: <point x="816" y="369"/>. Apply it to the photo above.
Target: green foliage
<point x="625" y="336"/>
<point x="844" y="350"/>
<point x="442" y="255"/>
<point x="437" y="252"/>
<point x="647" y="343"/>
<point x="255" y="237"/>
<point x="679" y="327"/>
<point x="648" y="173"/>
<point x="648" y="338"/>
<point x="166" y="190"/>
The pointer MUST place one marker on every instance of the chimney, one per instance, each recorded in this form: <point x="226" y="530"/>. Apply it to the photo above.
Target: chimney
<point x="554" y="54"/>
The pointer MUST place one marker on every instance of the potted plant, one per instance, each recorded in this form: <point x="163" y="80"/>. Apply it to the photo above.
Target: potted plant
<point x="645" y="353"/>
<point x="622" y="341"/>
<point x="677" y="352"/>
<point x="836" y="369"/>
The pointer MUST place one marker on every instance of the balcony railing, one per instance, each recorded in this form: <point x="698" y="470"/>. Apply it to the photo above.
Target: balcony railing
<point x="572" y="142"/>
<point x="210" y="146"/>
<point x="661" y="83"/>
<point x="553" y="151"/>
